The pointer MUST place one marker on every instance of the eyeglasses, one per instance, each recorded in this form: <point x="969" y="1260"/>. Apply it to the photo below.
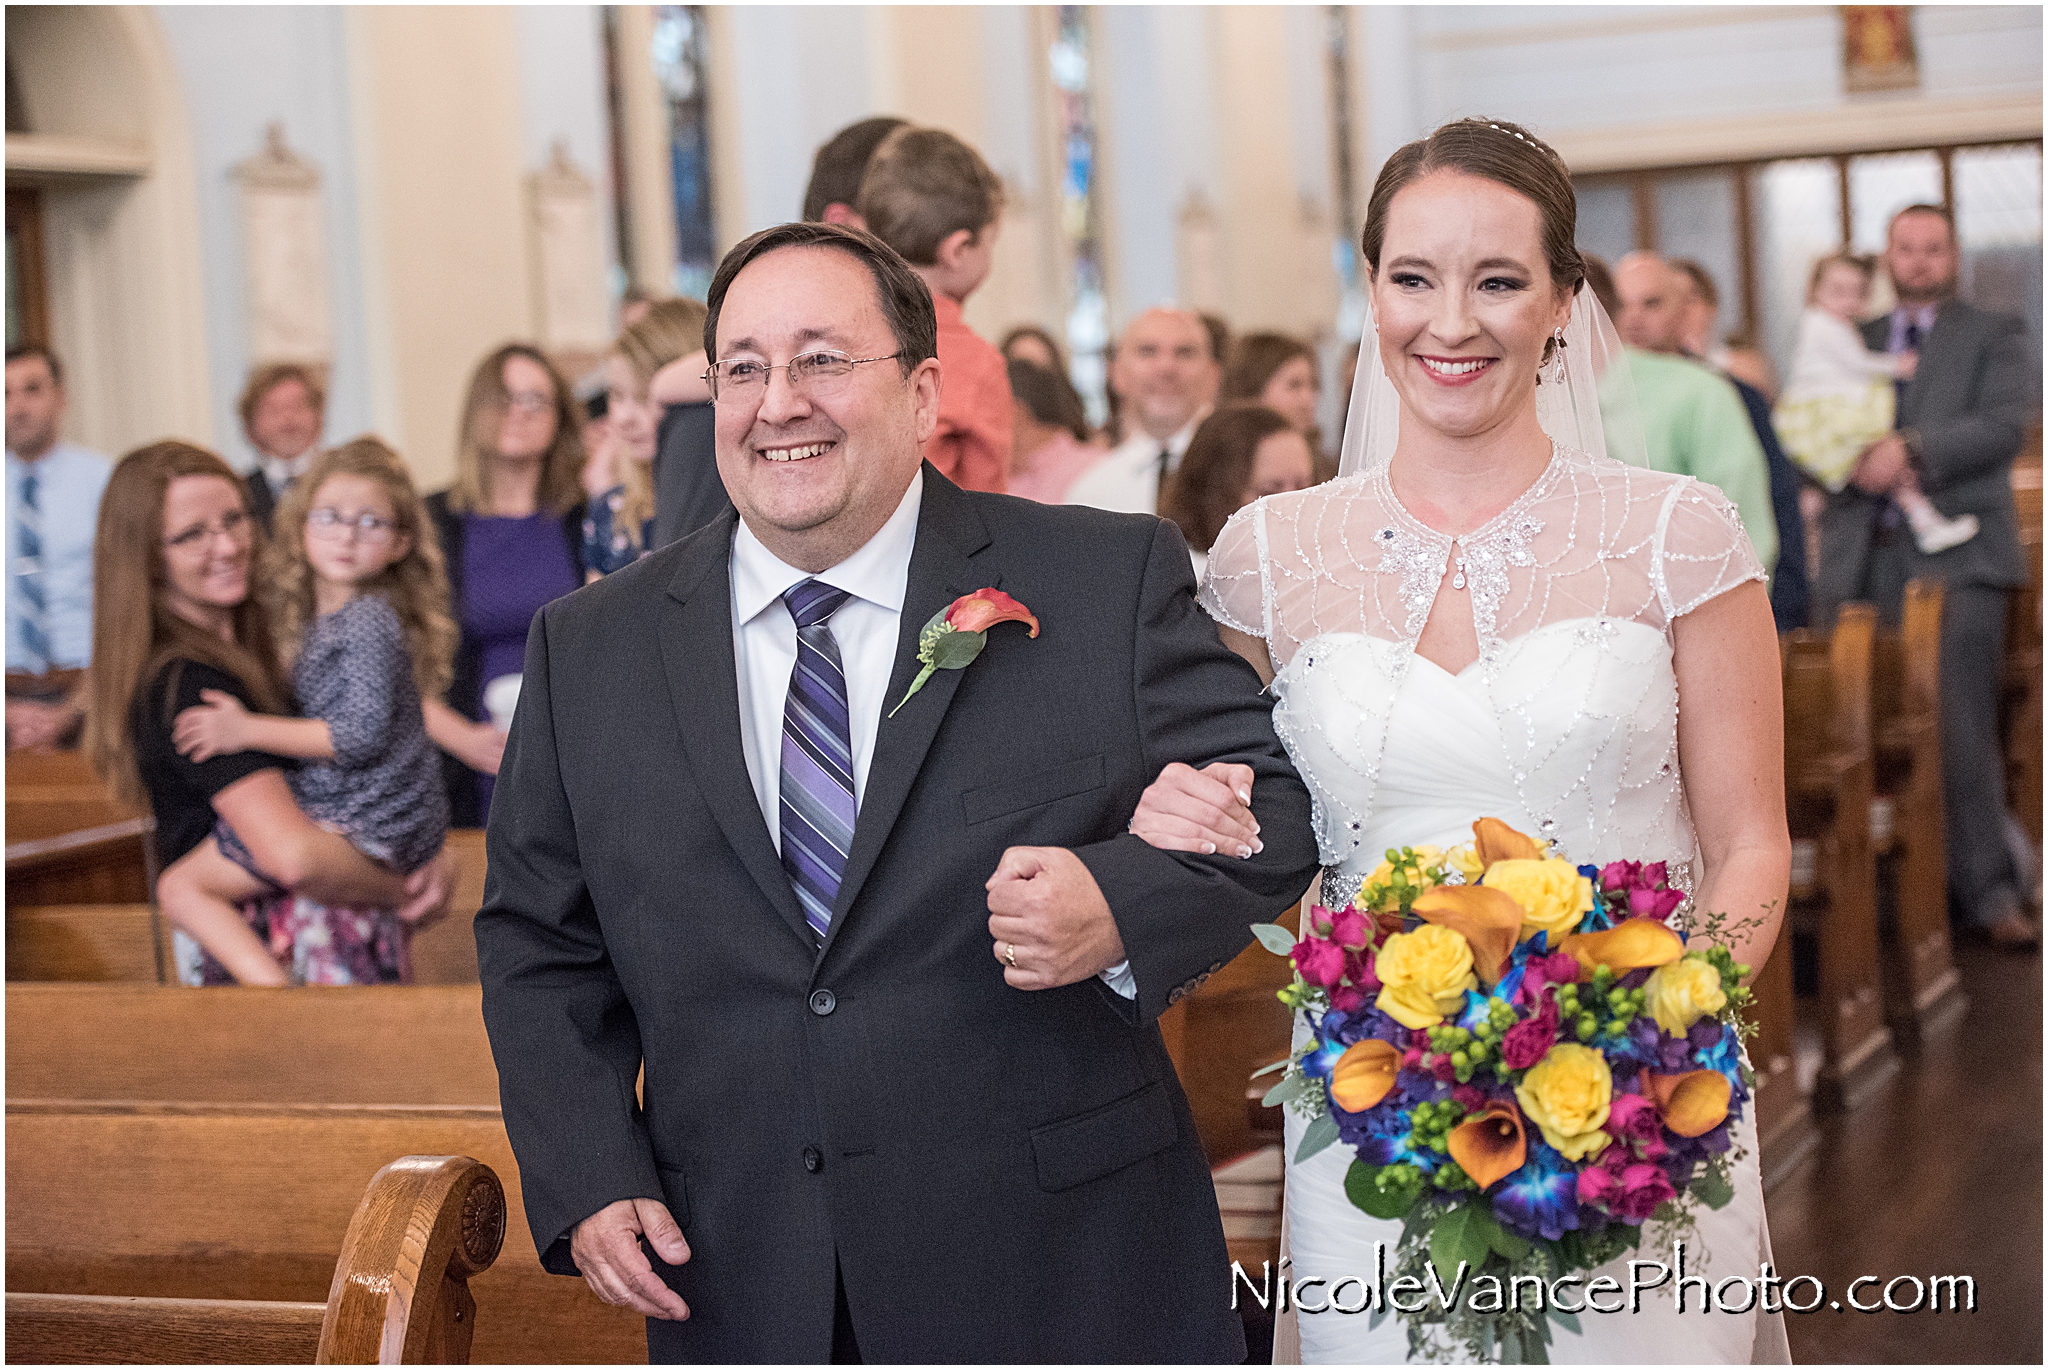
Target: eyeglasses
<point x="332" y="523"/>
<point x="234" y="524"/>
<point x="529" y="401"/>
<point x="813" y="373"/>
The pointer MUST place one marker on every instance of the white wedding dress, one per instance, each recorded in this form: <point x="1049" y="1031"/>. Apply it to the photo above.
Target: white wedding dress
<point x="1565" y="727"/>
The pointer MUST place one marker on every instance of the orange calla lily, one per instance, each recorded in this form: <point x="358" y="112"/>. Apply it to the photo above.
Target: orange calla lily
<point x="1364" y="1074"/>
<point x="1692" y="1103"/>
<point x="1632" y="944"/>
<point x="1496" y="841"/>
<point x="982" y="610"/>
<point x="1487" y="918"/>
<point x="1490" y="1144"/>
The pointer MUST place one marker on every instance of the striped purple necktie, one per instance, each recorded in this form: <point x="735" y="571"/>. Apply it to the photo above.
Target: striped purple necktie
<point x="818" y="807"/>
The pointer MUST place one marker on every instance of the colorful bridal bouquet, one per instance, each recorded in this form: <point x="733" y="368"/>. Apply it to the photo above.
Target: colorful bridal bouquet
<point x="1528" y="1061"/>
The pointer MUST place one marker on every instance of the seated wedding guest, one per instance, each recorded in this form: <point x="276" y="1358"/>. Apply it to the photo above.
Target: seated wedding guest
<point x="1165" y="375"/>
<point x="1051" y="445"/>
<point x="1241" y="453"/>
<point x="933" y="199"/>
<point x="836" y="171"/>
<point x="53" y="498"/>
<point x="283" y="410"/>
<point x="1693" y="421"/>
<point x="1279" y="372"/>
<point x="511" y="531"/>
<point x="1221" y="340"/>
<point x="618" y="525"/>
<point x="1029" y="343"/>
<point x="174" y="621"/>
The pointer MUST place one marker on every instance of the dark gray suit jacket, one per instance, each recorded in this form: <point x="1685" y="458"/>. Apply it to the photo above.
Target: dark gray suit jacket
<point x="1000" y="1175"/>
<point x="1969" y="400"/>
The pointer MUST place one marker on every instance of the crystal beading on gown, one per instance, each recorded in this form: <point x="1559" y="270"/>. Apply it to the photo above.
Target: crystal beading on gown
<point x="1566" y="727"/>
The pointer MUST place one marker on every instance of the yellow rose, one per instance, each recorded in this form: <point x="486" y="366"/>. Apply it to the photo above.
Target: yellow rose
<point x="1464" y="858"/>
<point x="1683" y="992"/>
<point x="1567" y="1095"/>
<point x="1553" y="895"/>
<point x="1424" y="975"/>
<point x="1426" y="859"/>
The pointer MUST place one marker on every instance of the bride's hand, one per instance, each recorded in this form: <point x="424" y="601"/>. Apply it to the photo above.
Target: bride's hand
<point x="1203" y="811"/>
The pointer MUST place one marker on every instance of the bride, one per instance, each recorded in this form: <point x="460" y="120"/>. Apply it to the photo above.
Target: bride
<point x="1488" y="614"/>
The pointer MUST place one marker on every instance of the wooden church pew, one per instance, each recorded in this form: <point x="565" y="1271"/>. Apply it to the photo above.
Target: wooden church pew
<point x="247" y="1201"/>
<point x="1828" y="778"/>
<point x="110" y="864"/>
<point x="1923" y="988"/>
<point x="399" y="1293"/>
<point x="97" y="943"/>
<point x="366" y="1044"/>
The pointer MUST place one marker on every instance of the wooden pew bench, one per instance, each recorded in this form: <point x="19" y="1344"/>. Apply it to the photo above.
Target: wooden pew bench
<point x="399" y="1293"/>
<point x="247" y="1201"/>
<point x="1829" y="777"/>
<point x="367" y="1044"/>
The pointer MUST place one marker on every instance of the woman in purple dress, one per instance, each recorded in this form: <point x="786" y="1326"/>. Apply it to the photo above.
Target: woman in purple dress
<point x="511" y="530"/>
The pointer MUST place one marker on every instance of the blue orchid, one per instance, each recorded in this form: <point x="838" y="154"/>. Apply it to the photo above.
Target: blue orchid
<point x="1542" y="1198"/>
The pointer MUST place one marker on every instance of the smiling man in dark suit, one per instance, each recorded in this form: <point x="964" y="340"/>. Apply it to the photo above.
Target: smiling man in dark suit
<point x="1961" y="420"/>
<point x="893" y="975"/>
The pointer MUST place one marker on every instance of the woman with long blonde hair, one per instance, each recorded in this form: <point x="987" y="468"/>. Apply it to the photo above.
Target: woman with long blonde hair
<point x="619" y="527"/>
<point x="173" y="619"/>
<point x="511" y="534"/>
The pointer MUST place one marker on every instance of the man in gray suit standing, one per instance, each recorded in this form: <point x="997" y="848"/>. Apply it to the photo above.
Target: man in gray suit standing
<point x="1961" y="420"/>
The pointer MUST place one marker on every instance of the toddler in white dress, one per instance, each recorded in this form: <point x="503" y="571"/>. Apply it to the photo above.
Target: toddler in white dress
<point x="1840" y="398"/>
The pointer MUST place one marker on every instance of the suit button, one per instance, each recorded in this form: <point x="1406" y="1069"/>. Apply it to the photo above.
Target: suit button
<point x="823" y="1002"/>
<point x="814" y="1160"/>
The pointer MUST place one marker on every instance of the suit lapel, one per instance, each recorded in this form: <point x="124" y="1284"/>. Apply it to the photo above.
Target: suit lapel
<point x="949" y="533"/>
<point x="703" y="683"/>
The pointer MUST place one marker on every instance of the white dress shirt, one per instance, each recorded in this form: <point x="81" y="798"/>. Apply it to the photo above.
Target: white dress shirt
<point x="280" y="472"/>
<point x="866" y="628"/>
<point x="1127" y="480"/>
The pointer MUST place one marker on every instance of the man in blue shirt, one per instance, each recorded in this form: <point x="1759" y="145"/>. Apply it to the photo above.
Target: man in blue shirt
<point x="53" y="503"/>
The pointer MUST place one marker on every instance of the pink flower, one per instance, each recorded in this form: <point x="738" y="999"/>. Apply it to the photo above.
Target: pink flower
<point x="1358" y="969"/>
<point x="1657" y="904"/>
<point x="1618" y="875"/>
<point x="1644" y="1188"/>
<point x="1348" y="998"/>
<point x="1527" y="1041"/>
<point x="982" y="610"/>
<point x="1321" y="963"/>
<point x="1347" y="929"/>
<point x="1441" y="1067"/>
<point x="1598" y="1186"/>
<point x="1633" y="1118"/>
<point x="1470" y="1097"/>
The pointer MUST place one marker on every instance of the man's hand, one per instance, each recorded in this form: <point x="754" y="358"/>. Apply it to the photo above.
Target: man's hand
<point x="427" y="892"/>
<point x="1882" y="463"/>
<point x="32" y="723"/>
<point x="607" y="1250"/>
<point x="1204" y="811"/>
<point x="217" y="726"/>
<point x="1048" y="918"/>
<point x="681" y="382"/>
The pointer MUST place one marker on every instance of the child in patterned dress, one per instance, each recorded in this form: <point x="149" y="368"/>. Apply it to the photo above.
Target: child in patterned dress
<point x="358" y="594"/>
<point x="1840" y="398"/>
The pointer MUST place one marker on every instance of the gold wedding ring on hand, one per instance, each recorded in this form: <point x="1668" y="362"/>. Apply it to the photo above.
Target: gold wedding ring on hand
<point x="1010" y="955"/>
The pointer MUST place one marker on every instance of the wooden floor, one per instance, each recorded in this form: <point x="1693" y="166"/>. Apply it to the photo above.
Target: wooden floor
<point x="1939" y="1173"/>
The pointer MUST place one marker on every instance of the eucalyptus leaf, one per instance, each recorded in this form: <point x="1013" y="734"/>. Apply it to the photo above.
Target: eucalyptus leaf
<point x="1268" y="1070"/>
<point x="956" y="649"/>
<point x="1288" y="1090"/>
<point x="1568" y="1321"/>
<point x="1274" y="938"/>
<point x="1321" y="1133"/>
<point x="1713" y="1189"/>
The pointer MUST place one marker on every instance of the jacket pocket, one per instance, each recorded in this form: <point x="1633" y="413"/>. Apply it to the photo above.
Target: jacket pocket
<point x="1041" y="787"/>
<point x="1088" y="1146"/>
<point x="675" y="1189"/>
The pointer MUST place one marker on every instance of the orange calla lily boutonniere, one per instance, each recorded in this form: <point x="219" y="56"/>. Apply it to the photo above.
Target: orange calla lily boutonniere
<point x="956" y="634"/>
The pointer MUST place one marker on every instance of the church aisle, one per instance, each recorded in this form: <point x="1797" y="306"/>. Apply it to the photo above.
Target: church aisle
<point x="1938" y="1173"/>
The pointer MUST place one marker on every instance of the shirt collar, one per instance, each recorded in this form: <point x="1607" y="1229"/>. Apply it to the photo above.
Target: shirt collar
<point x="878" y="573"/>
<point x="280" y="471"/>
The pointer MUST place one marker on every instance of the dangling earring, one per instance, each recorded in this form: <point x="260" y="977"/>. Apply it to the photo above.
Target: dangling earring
<point x="1557" y="356"/>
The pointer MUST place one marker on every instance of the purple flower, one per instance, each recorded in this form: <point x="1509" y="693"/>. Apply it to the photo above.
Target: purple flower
<point x="1633" y="1119"/>
<point x="1541" y="1199"/>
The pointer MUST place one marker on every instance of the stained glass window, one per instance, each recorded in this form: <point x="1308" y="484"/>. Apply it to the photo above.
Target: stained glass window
<point x="1080" y="212"/>
<point x="679" y="64"/>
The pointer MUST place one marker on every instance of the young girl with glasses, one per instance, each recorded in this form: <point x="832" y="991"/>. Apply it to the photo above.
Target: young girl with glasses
<point x="359" y="600"/>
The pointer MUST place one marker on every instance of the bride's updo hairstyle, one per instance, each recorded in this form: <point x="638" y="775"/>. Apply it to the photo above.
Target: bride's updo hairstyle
<point x="1502" y="152"/>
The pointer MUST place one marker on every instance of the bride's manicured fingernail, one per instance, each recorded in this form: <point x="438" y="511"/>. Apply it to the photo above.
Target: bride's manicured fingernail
<point x="1208" y="849"/>
<point x="1245" y="798"/>
<point x="1257" y="845"/>
<point x="1244" y="853"/>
